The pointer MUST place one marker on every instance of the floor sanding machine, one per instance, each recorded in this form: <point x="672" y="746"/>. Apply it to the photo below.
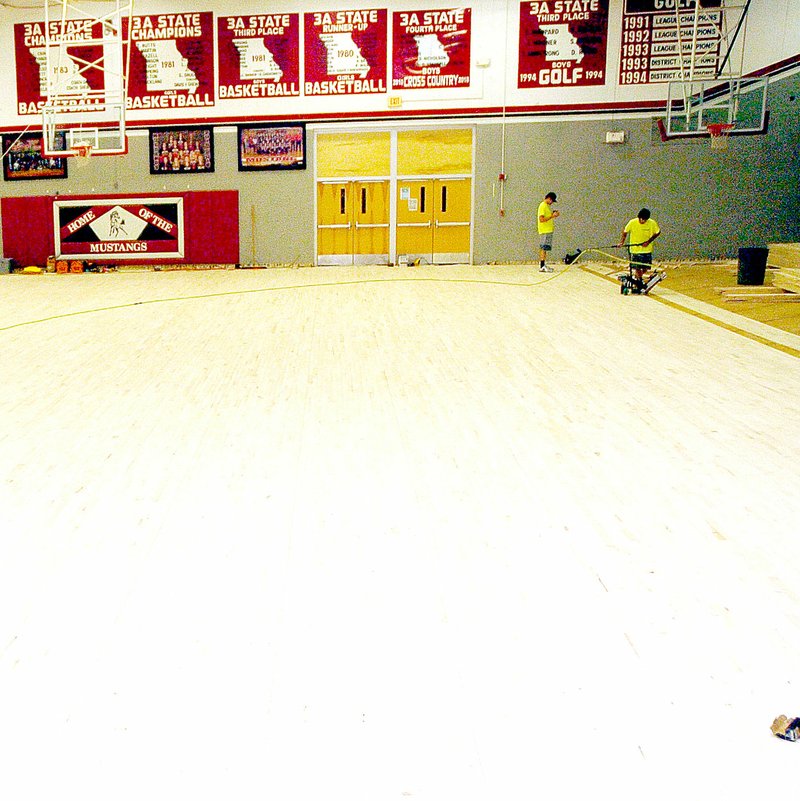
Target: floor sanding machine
<point x="630" y="284"/>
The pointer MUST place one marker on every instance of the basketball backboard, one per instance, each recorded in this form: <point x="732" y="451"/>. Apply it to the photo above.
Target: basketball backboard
<point x="694" y="105"/>
<point x="84" y="76"/>
<point x="709" y="86"/>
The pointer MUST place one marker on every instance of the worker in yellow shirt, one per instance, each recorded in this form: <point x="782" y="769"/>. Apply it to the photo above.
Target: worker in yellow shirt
<point x="644" y="231"/>
<point x="546" y="222"/>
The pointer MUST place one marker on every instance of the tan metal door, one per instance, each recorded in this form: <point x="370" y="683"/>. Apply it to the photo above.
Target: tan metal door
<point x="414" y="232"/>
<point x="334" y="222"/>
<point x="371" y="222"/>
<point x="452" y="200"/>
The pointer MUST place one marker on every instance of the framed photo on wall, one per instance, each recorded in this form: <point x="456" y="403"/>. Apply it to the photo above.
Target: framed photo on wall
<point x="272" y="146"/>
<point x="24" y="160"/>
<point x="182" y="150"/>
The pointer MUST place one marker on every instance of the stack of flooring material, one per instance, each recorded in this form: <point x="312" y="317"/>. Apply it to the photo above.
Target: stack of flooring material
<point x="786" y="257"/>
<point x="758" y="294"/>
<point x="787" y="279"/>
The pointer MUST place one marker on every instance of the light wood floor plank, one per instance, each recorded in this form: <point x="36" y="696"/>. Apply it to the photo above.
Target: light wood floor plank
<point x="349" y="533"/>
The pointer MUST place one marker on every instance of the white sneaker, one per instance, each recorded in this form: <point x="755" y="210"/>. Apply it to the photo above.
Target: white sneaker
<point x="545" y="269"/>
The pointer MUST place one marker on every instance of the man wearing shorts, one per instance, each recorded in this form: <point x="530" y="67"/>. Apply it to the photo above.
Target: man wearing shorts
<point x="643" y="230"/>
<point x="546" y="220"/>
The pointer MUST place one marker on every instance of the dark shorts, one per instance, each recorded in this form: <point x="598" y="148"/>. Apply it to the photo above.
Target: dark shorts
<point x="643" y="259"/>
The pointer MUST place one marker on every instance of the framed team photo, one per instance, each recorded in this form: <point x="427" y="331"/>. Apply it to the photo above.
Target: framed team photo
<point x="272" y="146"/>
<point x="23" y="160"/>
<point x="182" y="150"/>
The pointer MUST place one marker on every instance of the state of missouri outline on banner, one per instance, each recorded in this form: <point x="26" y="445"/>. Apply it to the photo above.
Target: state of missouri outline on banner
<point x="345" y="52"/>
<point x="431" y="49"/>
<point x="171" y="61"/>
<point x="259" y="56"/>
<point x="69" y="68"/>
<point x="119" y="228"/>
<point x="562" y="43"/>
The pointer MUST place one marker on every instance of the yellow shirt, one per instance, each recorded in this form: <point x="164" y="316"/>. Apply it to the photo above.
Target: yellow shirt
<point x="545" y="210"/>
<point x="641" y="232"/>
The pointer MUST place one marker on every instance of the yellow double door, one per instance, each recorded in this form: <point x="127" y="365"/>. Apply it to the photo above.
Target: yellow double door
<point x="432" y="221"/>
<point x="353" y="222"/>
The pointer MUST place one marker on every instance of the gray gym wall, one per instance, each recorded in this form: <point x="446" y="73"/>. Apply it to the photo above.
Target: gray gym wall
<point x="283" y="200"/>
<point x="708" y="203"/>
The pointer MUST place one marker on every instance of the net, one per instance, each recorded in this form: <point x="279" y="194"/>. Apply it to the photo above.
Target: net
<point x="83" y="154"/>
<point x="719" y="133"/>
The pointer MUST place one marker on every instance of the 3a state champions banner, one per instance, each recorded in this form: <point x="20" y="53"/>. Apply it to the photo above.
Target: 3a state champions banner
<point x="76" y="68"/>
<point x="345" y="52"/>
<point x="562" y="43"/>
<point x="171" y="61"/>
<point x="120" y="228"/>
<point x="259" y="56"/>
<point x="431" y="49"/>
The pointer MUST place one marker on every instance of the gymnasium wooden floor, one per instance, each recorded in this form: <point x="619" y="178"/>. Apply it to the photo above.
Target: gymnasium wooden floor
<point x="380" y="533"/>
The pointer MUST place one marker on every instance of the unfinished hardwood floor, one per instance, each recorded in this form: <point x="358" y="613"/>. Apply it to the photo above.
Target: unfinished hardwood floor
<point x="382" y="533"/>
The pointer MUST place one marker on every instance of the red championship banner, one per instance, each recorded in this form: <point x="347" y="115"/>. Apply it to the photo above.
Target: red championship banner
<point x="654" y="45"/>
<point x="259" y="56"/>
<point x="68" y="68"/>
<point x="562" y="43"/>
<point x="124" y="228"/>
<point x="172" y="61"/>
<point x="345" y="52"/>
<point x="431" y="49"/>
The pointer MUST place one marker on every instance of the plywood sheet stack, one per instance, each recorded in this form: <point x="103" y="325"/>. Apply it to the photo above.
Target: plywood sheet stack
<point x="786" y="257"/>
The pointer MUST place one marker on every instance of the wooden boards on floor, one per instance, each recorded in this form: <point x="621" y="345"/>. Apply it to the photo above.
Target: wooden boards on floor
<point x="788" y="279"/>
<point x="784" y="255"/>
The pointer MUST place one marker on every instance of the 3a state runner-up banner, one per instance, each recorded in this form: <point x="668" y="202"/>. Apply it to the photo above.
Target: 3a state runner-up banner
<point x="345" y="52"/>
<point x="172" y="61"/>
<point x="562" y="43"/>
<point x="123" y="228"/>
<point x="69" y="70"/>
<point x="431" y="49"/>
<point x="259" y="56"/>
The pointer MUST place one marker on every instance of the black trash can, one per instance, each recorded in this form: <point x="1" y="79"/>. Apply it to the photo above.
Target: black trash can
<point x="752" y="266"/>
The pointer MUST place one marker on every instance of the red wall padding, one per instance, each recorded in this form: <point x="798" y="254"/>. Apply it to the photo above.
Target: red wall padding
<point x="27" y="229"/>
<point x="211" y="226"/>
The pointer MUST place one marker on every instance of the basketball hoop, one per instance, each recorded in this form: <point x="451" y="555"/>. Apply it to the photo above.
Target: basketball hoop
<point x="719" y="133"/>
